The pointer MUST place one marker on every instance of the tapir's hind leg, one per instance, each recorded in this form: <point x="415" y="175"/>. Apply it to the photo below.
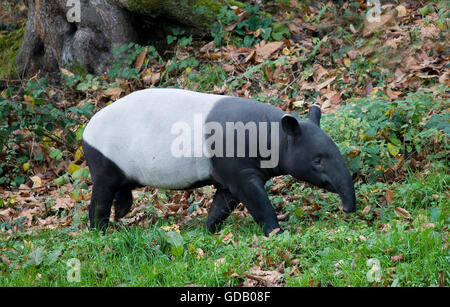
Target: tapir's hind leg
<point x="122" y="202"/>
<point x="222" y="206"/>
<point x="101" y="202"/>
<point x="108" y="181"/>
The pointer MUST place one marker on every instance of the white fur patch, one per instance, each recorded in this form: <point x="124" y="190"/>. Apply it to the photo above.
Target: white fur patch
<point x="135" y="133"/>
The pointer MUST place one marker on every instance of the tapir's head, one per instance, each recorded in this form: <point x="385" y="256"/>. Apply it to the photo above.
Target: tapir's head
<point x="310" y="155"/>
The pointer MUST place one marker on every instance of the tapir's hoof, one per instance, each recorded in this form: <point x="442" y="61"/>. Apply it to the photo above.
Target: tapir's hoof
<point x="212" y="228"/>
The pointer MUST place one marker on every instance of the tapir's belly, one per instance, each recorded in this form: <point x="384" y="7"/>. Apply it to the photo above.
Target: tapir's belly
<point x="137" y="133"/>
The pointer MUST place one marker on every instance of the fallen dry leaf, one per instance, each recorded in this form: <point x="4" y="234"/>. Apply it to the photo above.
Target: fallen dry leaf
<point x="324" y="84"/>
<point x="200" y="253"/>
<point x="267" y="278"/>
<point x="66" y="72"/>
<point x="389" y="196"/>
<point x="64" y="203"/>
<point x="37" y="182"/>
<point x="274" y="232"/>
<point x="7" y="214"/>
<point x="152" y="78"/>
<point x="397" y="258"/>
<point x="441" y="280"/>
<point x="365" y="211"/>
<point x="141" y="58"/>
<point x="373" y="24"/>
<point x="113" y="93"/>
<point x="227" y="237"/>
<point x="263" y="52"/>
<point x="401" y="10"/>
<point x="400" y="212"/>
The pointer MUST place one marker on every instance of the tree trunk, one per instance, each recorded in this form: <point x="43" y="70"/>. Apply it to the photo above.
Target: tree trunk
<point x="197" y="13"/>
<point x="56" y="35"/>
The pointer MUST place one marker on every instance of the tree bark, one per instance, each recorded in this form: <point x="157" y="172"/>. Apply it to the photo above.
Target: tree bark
<point x="53" y="40"/>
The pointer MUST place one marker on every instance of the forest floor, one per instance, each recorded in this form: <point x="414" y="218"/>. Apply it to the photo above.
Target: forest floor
<point x="383" y="86"/>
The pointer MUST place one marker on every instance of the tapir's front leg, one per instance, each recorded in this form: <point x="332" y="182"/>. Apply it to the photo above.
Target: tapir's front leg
<point x="254" y="196"/>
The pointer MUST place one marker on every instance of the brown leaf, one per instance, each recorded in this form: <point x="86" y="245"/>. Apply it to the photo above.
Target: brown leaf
<point x="37" y="182"/>
<point x="429" y="31"/>
<point x="274" y="232"/>
<point x="28" y="215"/>
<point x="441" y="281"/>
<point x="66" y="72"/>
<point x="151" y="77"/>
<point x="400" y="212"/>
<point x="63" y="203"/>
<point x="113" y="93"/>
<point x="295" y="29"/>
<point x="7" y="214"/>
<point x="325" y="83"/>
<point x="389" y="196"/>
<point x="173" y="206"/>
<point x="263" y="52"/>
<point x="282" y="217"/>
<point x="227" y="237"/>
<point x="445" y="78"/>
<point x="365" y="211"/>
<point x="319" y="72"/>
<point x="267" y="278"/>
<point x="200" y="253"/>
<point x="208" y="47"/>
<point x="397" y="258"/>
<point x="392" y="94"/>
<point x="141" y="58"/>
<point x="371" y="26"/>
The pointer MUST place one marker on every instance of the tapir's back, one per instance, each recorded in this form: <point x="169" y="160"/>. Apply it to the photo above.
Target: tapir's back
<point x="137" y="134"/>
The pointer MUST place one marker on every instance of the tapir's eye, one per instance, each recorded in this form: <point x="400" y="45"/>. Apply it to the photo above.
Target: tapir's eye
<point x="317" y="161"/>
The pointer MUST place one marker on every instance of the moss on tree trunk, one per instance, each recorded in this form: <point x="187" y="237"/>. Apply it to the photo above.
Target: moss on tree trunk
<point x="197" y="13"/>
<point x="9" y="47"/>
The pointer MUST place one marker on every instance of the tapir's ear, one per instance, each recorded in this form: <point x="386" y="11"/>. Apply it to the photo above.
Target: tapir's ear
<point x="290" y="125"/>
<point x="315" y="114"/>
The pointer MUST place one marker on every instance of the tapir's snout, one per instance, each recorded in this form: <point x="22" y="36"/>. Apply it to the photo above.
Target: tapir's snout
<point x="347" y="194"/>
<point x="350" y="209"/>
<point x="346" y="189"/>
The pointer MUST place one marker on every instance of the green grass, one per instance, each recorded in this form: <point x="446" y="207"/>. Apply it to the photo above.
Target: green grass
<point x="334" y="250"/>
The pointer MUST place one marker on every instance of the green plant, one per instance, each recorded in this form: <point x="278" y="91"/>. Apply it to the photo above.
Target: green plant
<point x="249" y="30"/>
<point x="127" y="55"/>
<point x="176" y="66"/>
<point x="35" y="121"/>
<point x="178" y="38"/>
<point x="373" y="132"/>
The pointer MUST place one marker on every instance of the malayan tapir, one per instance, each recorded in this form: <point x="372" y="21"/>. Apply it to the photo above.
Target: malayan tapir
<point x="179" y="139"/>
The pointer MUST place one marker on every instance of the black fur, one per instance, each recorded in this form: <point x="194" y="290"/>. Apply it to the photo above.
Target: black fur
<point x="110" y="184"/>
<point x="242" y="178"/>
